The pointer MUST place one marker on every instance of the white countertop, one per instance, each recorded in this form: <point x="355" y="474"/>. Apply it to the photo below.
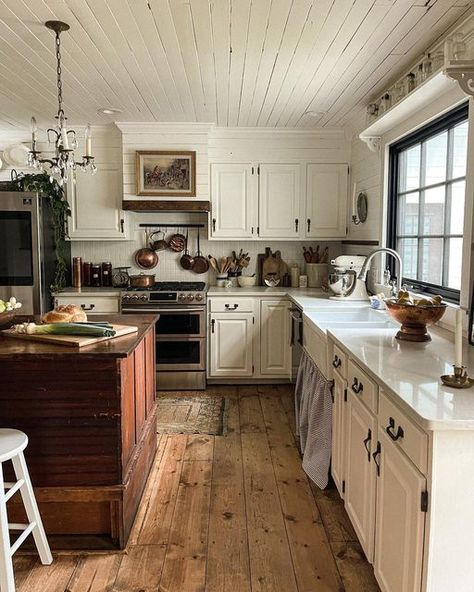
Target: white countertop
<point x="411" y="372"/>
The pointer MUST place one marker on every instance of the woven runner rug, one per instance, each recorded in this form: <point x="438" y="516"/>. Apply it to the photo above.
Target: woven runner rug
<point x="193" y="414"/>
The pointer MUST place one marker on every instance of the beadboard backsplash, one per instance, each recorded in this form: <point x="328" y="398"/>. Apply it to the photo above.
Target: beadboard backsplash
<point x="122" y="252"/>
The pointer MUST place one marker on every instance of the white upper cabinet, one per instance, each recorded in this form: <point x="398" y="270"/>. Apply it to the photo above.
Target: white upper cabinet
<point x="233" y="189"/>
<point x="279" y="200"/>
<point x="96" y="202"/>
<point x="326" y="200"/>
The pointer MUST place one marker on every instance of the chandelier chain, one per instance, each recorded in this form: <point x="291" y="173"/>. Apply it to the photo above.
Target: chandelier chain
<point x="58" y="73"/>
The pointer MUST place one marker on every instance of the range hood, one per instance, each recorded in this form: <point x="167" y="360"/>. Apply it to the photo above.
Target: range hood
<point x="150" y="205"/>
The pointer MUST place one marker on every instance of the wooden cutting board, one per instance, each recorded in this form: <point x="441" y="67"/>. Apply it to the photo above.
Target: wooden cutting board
<point x="71" y="340"/>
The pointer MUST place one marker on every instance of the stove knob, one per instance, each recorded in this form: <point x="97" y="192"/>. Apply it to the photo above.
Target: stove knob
<point x="199" y="297"/>
<point x="182" y="297"/>
<point x="126" y="298"/>
<point x="143" y="297"/>
<point x="190" y="297"/>
<point x="134" y="297"/>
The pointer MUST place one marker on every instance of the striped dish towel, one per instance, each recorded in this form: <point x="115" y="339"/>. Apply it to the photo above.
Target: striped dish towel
<point x="313" y="406"/>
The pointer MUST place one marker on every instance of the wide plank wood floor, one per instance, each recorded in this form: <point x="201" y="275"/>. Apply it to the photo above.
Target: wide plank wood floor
<point x="231" y="513"/>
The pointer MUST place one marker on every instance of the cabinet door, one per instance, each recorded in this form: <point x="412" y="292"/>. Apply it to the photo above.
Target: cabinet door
<point x="96" y="202"/>
<point x="231" y="344"/>
<point x="279" y="200"/>
<point x="326" y="200"/>
<point x="275" y="349"/>
<point x="338" y="441"/>
<point x="400" y="521"/>
<point x="233" y="194"/>
<point x="361" y="473"/>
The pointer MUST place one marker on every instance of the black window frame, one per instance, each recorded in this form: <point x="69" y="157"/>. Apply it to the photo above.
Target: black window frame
<point x="443" y="123"/>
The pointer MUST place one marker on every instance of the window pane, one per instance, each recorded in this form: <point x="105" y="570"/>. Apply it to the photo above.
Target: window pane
<point x="459" y="150"/>
<point x="409" y="168"/>
<point x="408" y="249"/>
<point x="455" y="263"/>
<point x="436" y="150"/>
<point x="408" y="207"/>
<point x="432" y="261"/>
<point x="458" y="191"/>
<point x="433" y="211"/>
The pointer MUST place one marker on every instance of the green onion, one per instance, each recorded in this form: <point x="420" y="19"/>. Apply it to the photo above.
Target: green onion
<point x="65" y="329"/>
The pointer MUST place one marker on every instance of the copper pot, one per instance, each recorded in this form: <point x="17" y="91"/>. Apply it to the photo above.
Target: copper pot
<point x="146" y="258"/>
<point x="187" y="260"/>
<point x="142" y="280"/>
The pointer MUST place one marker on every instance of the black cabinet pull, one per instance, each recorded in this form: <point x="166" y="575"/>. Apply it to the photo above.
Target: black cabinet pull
<point x="213" y="225"/>
<point x="213" y="325"/>
<point x="122" y="228"/>
<point x="366" y="442"/>
<point x="357" y="387"/>
<point x="90" y="307"/>
<point x="336" y="362"/>
<point x="331" y="389"/>
<point x="308" y="222"/>
<point x="252" y="229"/>
<point x="375" y="456"/>
<point x="389" y="429"/>
<point x="296" y="224"/>
<point x="229" y="307"/>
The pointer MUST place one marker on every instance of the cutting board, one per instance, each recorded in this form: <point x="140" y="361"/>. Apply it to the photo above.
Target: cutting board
<point x="71" y="340"/>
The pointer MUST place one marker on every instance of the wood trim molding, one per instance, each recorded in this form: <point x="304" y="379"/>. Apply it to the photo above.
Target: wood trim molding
<point x="372" y="243"/>
<point x="151" y="205"/>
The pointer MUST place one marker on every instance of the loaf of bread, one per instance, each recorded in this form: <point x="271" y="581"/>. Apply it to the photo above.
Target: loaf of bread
<point x="66" y="313"/>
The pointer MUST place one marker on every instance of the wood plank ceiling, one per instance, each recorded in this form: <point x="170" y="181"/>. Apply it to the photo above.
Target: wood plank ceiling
<point x="233" y="62"/>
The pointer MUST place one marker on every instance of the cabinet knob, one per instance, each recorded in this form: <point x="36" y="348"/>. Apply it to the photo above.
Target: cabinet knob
<point x="336" y="362"/>
<point x="357" y="387"/>
<point x="389" y="429"/>
<point x="85" y="307"/>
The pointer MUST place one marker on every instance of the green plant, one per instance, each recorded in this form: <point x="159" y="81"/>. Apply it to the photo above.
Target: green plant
<point x="48" y="186"/>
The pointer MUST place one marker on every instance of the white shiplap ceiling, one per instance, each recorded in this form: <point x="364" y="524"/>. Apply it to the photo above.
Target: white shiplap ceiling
<point x="233" y="62"/>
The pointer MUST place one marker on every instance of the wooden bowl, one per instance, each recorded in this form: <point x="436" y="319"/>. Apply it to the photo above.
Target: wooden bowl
<point x="7" y="319"/>
<point x="414" y="319"/>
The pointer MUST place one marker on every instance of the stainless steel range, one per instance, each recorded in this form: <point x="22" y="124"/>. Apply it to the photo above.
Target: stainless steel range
<point x="180" y="331"/>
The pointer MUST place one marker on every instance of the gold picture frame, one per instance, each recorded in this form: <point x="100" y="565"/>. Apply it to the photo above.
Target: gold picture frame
<point x="166" y="173"/>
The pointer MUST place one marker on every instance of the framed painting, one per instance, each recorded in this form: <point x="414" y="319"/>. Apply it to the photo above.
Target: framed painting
<point x="166" y="173"/>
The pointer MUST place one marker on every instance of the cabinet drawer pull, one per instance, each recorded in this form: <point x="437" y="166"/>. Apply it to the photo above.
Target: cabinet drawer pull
<point x="375" y="456"/>
<point x="85" y="307"/>
<point x="357" y="387"/>
<point x="366" y="442"/>
<point x="389" y="429"/>
<point x="337" y="362"/>
<point x="229" y="307"/>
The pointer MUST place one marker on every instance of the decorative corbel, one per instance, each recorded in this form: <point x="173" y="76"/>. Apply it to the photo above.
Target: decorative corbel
<point x="373" y="142"/>
<point x="463" y="72"/>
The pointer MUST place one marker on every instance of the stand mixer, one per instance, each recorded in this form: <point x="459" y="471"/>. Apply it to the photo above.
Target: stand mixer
<point x="344" y="280"/>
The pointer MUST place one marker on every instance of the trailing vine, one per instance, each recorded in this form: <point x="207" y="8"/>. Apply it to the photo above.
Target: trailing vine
<point x="49" y="187"/>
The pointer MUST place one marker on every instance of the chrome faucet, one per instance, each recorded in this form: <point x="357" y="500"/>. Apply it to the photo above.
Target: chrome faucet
<point x="363" y="272"/>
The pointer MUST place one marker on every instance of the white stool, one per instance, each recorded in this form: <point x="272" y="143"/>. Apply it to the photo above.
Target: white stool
<point x="12" y="444"/>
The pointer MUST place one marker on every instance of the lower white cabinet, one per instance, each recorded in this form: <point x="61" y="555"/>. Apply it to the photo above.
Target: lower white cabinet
<point x="231" y="351"/>
<point x="399" y="520"/>
<point x="275" y="350"/>
<point x="94" y="304"/>
<point x="361" y="472"/>
<point x="339" y="427"/>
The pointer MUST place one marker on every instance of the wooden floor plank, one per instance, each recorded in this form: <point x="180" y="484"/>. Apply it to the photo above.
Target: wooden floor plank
<point x="185" y="562"/>
<point x="313" y="561"/>
<point x="357" y="574"/>
<point x="336" y="522"/>
<point x="251" y="418"/>
<point x="140" y="569"/>
<point x="271" y="567"/>
<point x="95" y="573"/>
<point x="53" y="578"/>
<point x="228" y="559"/>
<point x="160" y="508"/>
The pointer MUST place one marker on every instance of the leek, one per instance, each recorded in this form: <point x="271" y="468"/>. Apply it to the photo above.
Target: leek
<point x="64" y="329"/>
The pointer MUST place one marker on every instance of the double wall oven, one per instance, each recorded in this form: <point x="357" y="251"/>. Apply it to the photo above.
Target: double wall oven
<point x="180" y="331"/>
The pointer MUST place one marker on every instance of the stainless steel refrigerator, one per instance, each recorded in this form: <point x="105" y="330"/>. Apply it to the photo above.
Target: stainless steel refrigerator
<point x="27" y="257"/>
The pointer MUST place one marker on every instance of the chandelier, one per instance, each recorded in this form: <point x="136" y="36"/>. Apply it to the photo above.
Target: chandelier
<point x="63" y="162"/>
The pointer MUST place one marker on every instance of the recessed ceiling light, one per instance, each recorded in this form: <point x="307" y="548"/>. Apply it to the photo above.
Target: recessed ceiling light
<point x="109" y="111"/>
<point x="314" y="113"/>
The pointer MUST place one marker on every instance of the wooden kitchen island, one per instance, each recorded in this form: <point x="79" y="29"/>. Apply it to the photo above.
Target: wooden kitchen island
<point x="89" y="415"/>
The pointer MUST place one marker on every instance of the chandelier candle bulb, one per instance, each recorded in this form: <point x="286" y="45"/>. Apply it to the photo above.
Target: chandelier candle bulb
<point x="34" y="129"/>
<point x="354" y="206"/>
<point x="88" y="140"/>
<point x="458" y="339"/>
<point x="65" y="140"/>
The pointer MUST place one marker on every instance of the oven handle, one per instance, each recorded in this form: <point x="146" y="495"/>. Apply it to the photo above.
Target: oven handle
<point x="162" y="310"/>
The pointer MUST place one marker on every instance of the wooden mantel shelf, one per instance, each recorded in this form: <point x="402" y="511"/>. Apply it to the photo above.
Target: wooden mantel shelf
<point x="150" y="205"/>
<point x="433" y="87"/>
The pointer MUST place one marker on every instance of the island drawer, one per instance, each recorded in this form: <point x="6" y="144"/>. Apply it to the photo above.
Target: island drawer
<point x="91" y="304"/>
<point x="362" y="386"/>
<point x="339" y="362"/>
<point x="232" y="304"/>
<point x="403" y="432"/>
